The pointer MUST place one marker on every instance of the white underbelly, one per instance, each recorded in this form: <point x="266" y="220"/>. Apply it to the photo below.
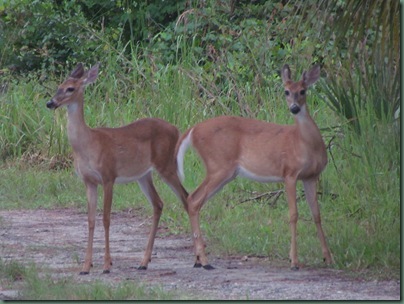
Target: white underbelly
<point x="86" y="172"/>
<point x="242" y="172"/>
<point x="130" y="179"/>
<point x="89" y="174"/>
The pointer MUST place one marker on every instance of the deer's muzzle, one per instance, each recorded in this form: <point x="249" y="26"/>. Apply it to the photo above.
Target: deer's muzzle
<point x="51" y="104"/>
<point x="294" y="109"/>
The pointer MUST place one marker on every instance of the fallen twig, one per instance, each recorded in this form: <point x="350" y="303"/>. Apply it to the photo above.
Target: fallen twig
<point x="271" y="194"/>
<point x="277" y="193"/>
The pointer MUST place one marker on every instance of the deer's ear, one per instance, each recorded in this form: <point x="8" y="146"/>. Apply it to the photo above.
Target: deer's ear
<point x="78" y="71"/>
<point x="91" y="74"/>
<point x="285" y="74"/>
<point x="311" y="76"/>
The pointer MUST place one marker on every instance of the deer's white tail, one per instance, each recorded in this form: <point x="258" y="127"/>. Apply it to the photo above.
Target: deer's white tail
<point x="185" y="143"/>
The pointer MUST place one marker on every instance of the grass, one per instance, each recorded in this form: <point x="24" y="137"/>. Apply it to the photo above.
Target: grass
<point x="34" y="187"/>
<point x="360" y="201"/>
<point x="35" y="283"/>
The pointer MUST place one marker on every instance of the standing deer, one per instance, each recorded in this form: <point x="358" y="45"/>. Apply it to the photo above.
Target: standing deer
<point x="261" y="151"/>
<point x="105" y="156"/>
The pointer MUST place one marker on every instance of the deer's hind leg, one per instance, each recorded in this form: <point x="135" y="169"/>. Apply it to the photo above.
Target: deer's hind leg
<point x="147" y="186"/>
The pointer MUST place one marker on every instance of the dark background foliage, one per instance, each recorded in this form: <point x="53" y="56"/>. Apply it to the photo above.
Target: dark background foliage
<point x="356" y="41"/>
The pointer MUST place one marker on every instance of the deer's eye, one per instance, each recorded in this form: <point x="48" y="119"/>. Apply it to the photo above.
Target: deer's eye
<point x="287" y="93"/>
<point x="70" y="89"/>
<point x="302" y="92"/>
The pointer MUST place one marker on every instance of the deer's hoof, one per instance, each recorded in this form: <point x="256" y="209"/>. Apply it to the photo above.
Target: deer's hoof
<point x="208" y="267"/>
<point x="142" y="268"/>
<point x="84" y="272"/>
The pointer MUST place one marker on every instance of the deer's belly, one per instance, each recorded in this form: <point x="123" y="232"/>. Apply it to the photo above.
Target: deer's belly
<point x="243" y="172"/>
<point x="124" y="179"/>
<point x="88" y="174"/>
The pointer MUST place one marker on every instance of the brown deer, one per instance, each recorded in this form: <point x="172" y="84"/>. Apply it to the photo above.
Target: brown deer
<point x="105" y="156"/>
<point x="265" y="152"/>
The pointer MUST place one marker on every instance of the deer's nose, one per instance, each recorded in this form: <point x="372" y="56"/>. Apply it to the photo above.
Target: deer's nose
<point x="51" y="104"/>
<point x="294" y="109"/>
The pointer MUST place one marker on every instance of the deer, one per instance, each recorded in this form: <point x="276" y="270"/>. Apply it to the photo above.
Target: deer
<point x="231" y="146"/>
<point x="106" y="156"/>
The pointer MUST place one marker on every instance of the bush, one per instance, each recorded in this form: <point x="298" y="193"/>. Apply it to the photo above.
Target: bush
<point x="37" y="35"/>
<point x="48" y="34"/>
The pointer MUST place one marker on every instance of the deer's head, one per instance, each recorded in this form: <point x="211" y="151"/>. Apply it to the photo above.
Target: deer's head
<point x="71" y="90"/>
<point x="296" y="91"/>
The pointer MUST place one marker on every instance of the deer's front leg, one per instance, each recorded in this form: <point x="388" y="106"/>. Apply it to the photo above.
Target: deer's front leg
<point x="91" y="190"/>
<point x="290" y="185"/>
<point x="310" y="189"/>
<point x="108" y="193"/>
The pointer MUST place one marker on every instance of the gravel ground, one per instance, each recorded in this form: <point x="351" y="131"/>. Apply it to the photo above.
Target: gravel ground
<point x="56" y="240"/>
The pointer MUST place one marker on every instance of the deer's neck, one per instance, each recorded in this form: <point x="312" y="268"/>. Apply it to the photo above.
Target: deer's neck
<point x="313" y="150"/>
<point x="77" y="130"/>
<point x="307" y="129"/>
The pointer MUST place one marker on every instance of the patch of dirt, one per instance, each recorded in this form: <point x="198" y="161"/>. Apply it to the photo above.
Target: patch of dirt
<point x="56" y="240"/>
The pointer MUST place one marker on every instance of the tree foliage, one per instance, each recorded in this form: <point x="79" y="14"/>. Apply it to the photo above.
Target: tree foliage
<point x="364" y="66"/>
<point x="227" y="42"/>
<point x="41" y="34"/>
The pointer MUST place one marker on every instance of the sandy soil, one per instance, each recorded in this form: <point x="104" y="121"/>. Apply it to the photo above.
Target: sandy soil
<point x="56" y="240"/>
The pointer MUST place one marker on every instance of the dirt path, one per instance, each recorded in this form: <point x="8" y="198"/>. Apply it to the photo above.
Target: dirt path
<point x="56" y="239"/>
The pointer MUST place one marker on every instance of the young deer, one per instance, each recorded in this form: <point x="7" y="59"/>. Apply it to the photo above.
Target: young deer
<point x="105" y="156"/>
<point x="261" y="151"/>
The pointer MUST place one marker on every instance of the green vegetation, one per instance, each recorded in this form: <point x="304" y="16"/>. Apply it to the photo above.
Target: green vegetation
<point x="45" y="287"/>
<point x="200" y="61"/>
